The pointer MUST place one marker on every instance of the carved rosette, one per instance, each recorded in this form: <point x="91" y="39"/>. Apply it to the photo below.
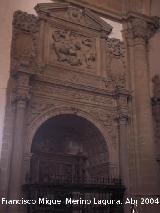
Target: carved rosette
<point x="75" y="14"/>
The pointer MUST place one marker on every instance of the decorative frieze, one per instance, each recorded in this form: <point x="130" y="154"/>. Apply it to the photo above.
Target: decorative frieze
<point x="72" y="95"/>
<point x="69" y="77"/>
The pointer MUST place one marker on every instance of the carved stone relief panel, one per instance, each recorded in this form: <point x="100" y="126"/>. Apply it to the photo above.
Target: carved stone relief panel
<point x="71" y="37"/>
<point x="74" y="49"/>
<point x="77" y="47"/>
<point x="71" y="49"/>
<point x="25" y="42"/>
<point x="116" y="61"/>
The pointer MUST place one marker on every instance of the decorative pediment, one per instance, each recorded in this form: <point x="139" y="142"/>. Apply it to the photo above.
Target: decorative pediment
<point x="75" y="15"/>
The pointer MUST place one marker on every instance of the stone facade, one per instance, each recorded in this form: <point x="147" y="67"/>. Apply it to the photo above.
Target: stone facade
<point x="63" y="62"/>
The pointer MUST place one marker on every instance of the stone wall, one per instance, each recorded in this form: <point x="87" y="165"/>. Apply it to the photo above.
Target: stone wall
<point x="154" y="50"/>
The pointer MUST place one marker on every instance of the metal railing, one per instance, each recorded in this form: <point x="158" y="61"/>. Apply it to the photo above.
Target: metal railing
<point x="62" y="190"/>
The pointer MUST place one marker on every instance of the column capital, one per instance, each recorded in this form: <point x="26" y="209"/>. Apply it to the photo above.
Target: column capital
<point x="140" y="29"/>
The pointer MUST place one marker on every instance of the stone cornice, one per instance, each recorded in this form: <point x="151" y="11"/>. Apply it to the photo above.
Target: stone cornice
<point x="74" y="15"/>
<point x="118" y="16"/>
<point x="105" y="12"/>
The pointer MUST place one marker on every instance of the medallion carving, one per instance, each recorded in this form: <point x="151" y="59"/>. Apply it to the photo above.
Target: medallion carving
<point x="75" y="14"/>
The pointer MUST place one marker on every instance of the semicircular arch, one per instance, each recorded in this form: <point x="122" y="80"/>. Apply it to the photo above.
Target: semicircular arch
<point x="52" y="112"/>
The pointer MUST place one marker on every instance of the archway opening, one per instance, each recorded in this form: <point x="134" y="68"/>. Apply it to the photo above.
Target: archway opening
<point x="69" y="148"/>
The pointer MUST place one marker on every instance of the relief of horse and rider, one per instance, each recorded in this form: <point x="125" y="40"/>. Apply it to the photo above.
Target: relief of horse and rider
<point x="73" y="49"/>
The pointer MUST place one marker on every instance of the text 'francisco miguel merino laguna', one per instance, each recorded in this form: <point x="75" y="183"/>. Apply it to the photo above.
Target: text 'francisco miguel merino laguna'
<point x="67" y="201"/>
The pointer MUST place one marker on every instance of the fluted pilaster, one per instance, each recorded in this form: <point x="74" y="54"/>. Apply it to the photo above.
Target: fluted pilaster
<point x="20" y="100"/>
<point x="137" y="34"/>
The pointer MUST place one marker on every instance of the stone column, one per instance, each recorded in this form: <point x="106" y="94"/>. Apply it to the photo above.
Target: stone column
<point x="122" y="104"/>
<point x="137" y="33"/>
<point x="122" y="97"/>
<point x="21" y="99"/>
